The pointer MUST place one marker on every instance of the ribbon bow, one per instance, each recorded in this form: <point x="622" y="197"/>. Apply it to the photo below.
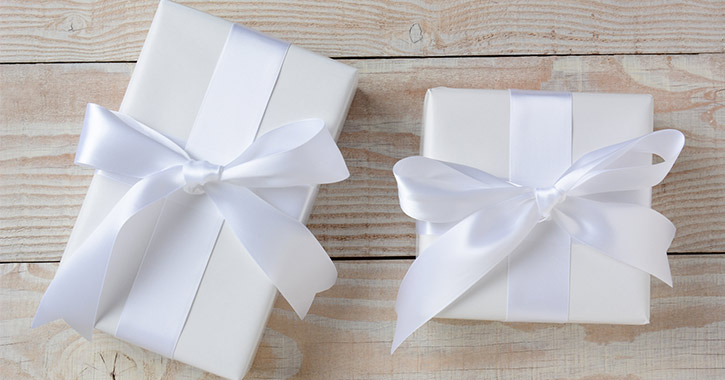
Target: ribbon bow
<point x="298" y="154"/>
<point x="486" y="218"/>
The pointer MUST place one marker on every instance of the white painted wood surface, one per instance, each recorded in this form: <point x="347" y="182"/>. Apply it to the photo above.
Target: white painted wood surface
<point x="673" y="50"/>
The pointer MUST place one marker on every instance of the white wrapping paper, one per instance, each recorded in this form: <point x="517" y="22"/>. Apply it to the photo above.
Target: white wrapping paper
<point x="471" y="127"/>
<point x="235" y="297"/>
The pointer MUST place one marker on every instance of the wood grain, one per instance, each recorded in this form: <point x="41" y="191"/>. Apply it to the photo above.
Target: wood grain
<point x="348" y="334"/>
<point x="575" y="45"/>
<point x="95" y="30"/>
<point x="41" y="110"/>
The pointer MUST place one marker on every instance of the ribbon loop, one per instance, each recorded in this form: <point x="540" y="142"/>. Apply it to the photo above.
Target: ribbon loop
<point x="435" y="191"/>
<point x="123" y="146"/>
<point x="619" y="167"/>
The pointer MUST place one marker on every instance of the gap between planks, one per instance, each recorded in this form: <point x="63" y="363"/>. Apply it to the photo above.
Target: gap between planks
<point x="366" y="58"/>
<point x="369" y="258"/>
<point x="114" y="30"/>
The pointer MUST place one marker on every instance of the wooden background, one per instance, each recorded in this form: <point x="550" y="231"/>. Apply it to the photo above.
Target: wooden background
<point x="57" y="56"/>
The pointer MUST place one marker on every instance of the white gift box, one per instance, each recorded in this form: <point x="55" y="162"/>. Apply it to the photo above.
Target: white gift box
<point x="235" y="298"/>
<point x="471" y="127"/>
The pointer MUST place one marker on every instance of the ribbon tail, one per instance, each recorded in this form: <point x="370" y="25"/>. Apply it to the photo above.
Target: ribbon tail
<point x="284" y="248"/>
<point x="630" y="233"/>
<point x="74" y="294"/>
<point x="458" y="260"/>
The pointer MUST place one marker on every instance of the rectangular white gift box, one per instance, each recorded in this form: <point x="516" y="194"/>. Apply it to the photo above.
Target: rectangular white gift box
<point x="471" y="127"/>
<point x="235" y="297"/>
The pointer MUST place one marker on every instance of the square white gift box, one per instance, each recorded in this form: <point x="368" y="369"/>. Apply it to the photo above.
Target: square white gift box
<point x="471" y="127"/>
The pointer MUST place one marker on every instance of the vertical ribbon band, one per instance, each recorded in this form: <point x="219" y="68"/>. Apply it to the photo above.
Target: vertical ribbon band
<point x="540" y="130"/>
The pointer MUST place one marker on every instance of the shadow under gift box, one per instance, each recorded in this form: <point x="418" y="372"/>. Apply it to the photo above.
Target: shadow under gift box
<point x="471" y="127"/>
<point x="235" y="298"/>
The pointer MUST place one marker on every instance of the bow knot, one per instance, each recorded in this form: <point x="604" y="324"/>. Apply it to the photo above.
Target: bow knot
<point x="199" y="173"/>
<point x="546" y="199"/>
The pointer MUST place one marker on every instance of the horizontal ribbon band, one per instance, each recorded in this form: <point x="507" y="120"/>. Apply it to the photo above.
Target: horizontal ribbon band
<point x="491" y="216"/>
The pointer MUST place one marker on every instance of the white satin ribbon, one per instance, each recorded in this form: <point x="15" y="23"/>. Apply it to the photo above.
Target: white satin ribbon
<point x="233" y="177"/>
<point x="300" y="153"/>
<point x="491" y="216"/>
<point x="540" y="130"/>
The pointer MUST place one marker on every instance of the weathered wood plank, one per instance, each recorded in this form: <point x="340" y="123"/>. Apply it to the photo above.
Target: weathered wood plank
<point x="348" y="334"/>
<point x="41" y="110"/>
<point x="65" y="30"/>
